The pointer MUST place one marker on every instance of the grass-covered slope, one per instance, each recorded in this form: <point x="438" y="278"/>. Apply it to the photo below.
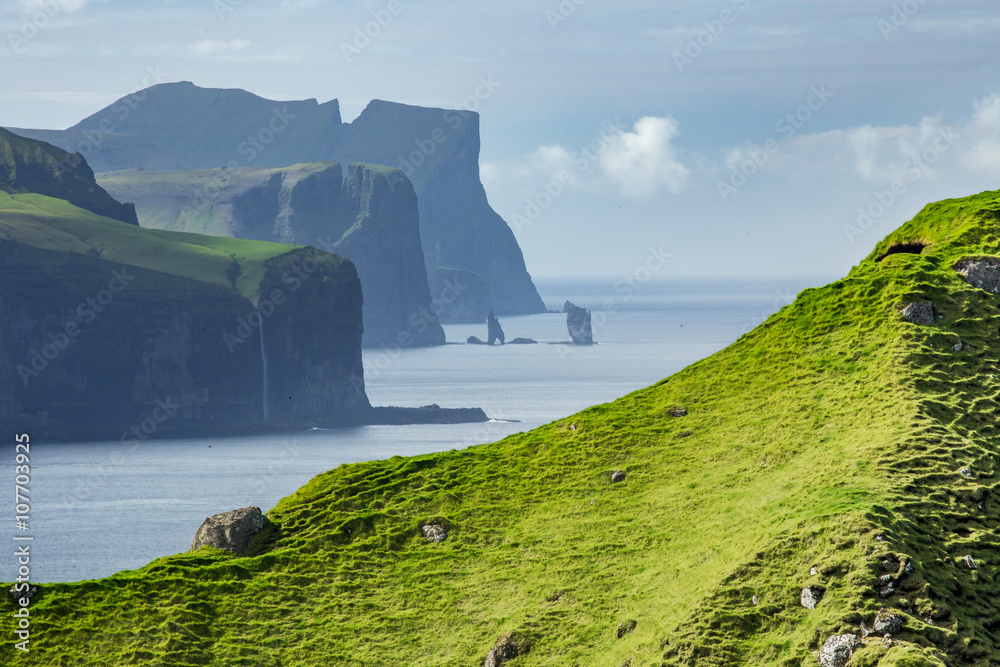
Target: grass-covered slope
<point x="53" y="224"/>
<point x="832" y="437"/>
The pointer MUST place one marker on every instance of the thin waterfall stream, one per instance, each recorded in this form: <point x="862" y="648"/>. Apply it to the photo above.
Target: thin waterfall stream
<point x="263" y="359"/>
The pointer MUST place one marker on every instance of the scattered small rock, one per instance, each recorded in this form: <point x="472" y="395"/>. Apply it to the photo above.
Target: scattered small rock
<point x="618" y="476"/>
<point x="887" y="623"/>
<point x="885" y="580"/>
<point x="810" y="597"/>
<point x="678" y="412"/>
<point x="947" y="561"/>
<point x="887" y="641"/>
<point x="755" y="600"/>
<point x="838" y="649"/>
<point x="813" y="571"/>
<point x="626" y="628"/>
<point x="965" y="472"/>
<point x="918" y="312"/>
<point x="19" y="595"/>
<point x="435" y="532"/>
<point x="908" y="568"/>
<point x="958" y="346"/>
<point x="508" y="647"/>
<point x="230" y="531"/>
<point x="890" y="566"/>
<point x="880" y="538"/>
<point x="684" y="434"/>
<point x="886" y="591"/>
<point x="572" y="427"/>
<point x="971" y="564"/>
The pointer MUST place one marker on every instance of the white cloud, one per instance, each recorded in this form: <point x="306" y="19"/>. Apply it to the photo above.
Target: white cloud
<point x="984" y="153"/>
<point x="214" y="46"/>
<point x="636" y="164"/>
<point x="644" y="161"/>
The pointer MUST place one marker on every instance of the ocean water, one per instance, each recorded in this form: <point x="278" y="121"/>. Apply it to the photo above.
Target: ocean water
<point x="98" y="508"/>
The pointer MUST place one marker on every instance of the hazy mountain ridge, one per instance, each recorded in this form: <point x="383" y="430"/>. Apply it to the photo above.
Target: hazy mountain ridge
<point x="437" y="149"/>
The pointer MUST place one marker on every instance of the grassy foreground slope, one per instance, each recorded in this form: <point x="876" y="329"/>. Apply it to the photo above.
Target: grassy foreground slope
<point x="831" y="437"/>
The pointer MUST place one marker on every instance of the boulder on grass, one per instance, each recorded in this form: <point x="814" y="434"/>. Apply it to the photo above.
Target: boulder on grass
<point x="230" y="531"/>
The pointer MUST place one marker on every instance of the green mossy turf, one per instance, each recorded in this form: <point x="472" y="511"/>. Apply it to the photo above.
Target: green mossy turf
<point x="832" y="436"/>
<point x="54" y="224"/>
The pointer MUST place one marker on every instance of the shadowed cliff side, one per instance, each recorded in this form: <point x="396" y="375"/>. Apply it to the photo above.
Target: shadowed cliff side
<point x="370" y="217"/>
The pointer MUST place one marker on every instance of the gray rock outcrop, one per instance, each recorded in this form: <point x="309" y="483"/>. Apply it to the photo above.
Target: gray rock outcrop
<point x="887" y="623"/>
<point x="918" y="312"/>
<point x="494" y="329"/>
<point x="230" y="531"/>
<point x="838" y="649"/>
<point x="508" y="647"/>
<point x="435" y="532"/>
<point x="578" y="323"/>
<point x="982" y="273"/>
<point x="568" y="306"/>
<point x="618" y="476"/>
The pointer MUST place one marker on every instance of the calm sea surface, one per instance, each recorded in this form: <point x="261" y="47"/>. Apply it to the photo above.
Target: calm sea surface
<point x="98" y="508"/>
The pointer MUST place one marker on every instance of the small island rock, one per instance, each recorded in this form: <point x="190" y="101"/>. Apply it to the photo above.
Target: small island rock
<point x="578" y="323"/>
<point x="494" y="329"/>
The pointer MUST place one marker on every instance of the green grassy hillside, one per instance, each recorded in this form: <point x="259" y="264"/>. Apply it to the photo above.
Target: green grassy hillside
<point x="54" y="224"/>
<point x="830" y="439"/>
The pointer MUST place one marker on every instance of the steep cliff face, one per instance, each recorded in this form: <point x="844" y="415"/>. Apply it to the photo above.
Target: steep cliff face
<point x="437" y="149"/>
<point x="459" y="296"/>
<point x="34" y="166"/>
<point x="441" y="156"/>
<point x="111" y="331"/>
<point x="370" y="217"/>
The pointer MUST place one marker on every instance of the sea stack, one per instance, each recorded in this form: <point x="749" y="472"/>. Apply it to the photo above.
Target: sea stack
<point x="495" y="330"/>
<point x="578" y="323"/>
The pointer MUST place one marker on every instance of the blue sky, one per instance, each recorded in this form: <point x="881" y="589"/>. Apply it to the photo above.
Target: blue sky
<point x="742" y="136"/>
